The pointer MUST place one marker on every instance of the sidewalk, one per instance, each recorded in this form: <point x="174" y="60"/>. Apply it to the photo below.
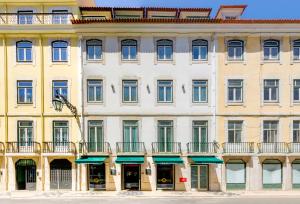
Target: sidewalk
<point x="144" y="194"/>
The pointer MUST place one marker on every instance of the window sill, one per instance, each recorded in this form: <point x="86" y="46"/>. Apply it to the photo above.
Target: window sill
<point x="129" y="61"/>
<point x="200" y="103"/>
<point x="271" y="61"/>
<point x="24" y="104"/>
<point x="235" y="104"/>
<point x="165" y="61"/>
<point x="95" y="61"/>
<point x="271" y="104"/>
<point x="235" y="62"/>
<point x="95" y="103"/>
<point x="130" y="103"/>
<point x="199" y="61"/>
<point x="60" y="63"/>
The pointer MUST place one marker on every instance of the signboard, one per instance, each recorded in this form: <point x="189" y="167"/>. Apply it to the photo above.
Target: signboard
<point x="182" y="179"/>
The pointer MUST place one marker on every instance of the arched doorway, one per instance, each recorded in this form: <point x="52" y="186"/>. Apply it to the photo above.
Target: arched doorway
<point x="60" y="174"/>
<point x="26" y="174"/>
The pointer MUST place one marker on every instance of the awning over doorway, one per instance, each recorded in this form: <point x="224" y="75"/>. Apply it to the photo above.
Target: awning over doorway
<point x="91" y="160"/>
<point x="167" y="160"/>
<point x="206" y="160"/>
<point x="130" y="160"/>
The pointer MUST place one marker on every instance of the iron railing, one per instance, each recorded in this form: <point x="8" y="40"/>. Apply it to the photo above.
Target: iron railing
<point x="273" y="147"/>
<point x="2" y="148"/>
<point x="94" y="147"/>
<point x="59" y="147"/>
<point x="207" y="147"/>
<point x="294" y="147"/>
<point x="23" y="147"/>
<point x="35" y="18"/>
<point x="239" y="147"/>
<point x="166" y="147"/>
<point x="130" y="147"/>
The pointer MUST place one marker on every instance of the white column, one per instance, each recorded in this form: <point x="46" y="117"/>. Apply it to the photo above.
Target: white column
<point x="118" y="180"/>
<point x="3" y="178"/>
<point x="256" y="174"/>
<point x="11" y="174"/>
<point x="47" y="174"/>
<point x="73" y="176"/>
<point x="84" y="185"/>
<point x="248" y="174"/>
<point x="223" y="177"/>
<point x="287" y="175"/>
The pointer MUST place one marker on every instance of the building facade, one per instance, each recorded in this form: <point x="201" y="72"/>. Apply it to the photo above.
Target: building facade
<point x="147" y="99"/>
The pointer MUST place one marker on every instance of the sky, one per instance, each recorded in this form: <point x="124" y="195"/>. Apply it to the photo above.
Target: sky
<point x="256" y="8"/>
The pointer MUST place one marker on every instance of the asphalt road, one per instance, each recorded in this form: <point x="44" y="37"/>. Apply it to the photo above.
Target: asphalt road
<point x="232" y="200"/>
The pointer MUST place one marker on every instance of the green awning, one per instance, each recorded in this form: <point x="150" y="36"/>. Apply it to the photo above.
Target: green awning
<point x="206" y="160"/>
<point x="91" y="160"/>
<point x="130" y="160"/>
<point x="167" y="160"/>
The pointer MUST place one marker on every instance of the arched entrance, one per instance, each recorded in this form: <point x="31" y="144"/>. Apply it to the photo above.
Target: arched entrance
<point x="60" y="174"/>
<point x="26" y="174"/>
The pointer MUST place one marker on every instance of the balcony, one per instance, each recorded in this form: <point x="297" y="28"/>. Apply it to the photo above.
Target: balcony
<point x="94" y="148"/>
<point x="294" y="147"/>
<point x="35" y="18"/>
<point x="131" y="148"/>
<point x="59" y="147"/>
<point x="202" y="148"/>
<point x="23" y="147"/>
<point x="238" y="148"/>
<point x="2" y="148"/>
<point x="273" y="147"/>
<point x="166" y="147"/>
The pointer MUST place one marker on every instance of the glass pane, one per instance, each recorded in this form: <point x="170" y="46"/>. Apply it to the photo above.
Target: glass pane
<point x="168" y="52"/>
<point x="196" y="53"/>
<point x="203" y="54"/>
<point x="235" y="173"/>
<point x="160" y="52"/>
<point x="125" y="52"/>
<point x="272" y="174"/>
<point x="194" y="177"/>
<point x="203" y="177"/>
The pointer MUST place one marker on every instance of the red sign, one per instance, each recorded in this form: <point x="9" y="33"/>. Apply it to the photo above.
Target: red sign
<point x="182" y="179"/>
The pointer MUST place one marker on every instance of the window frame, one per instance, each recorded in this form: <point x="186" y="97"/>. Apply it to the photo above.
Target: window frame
<point x="235" y="88"/>
<point x="235" y="48"/>
<point x="95" y="90"/>
<point x="67" y="127"/>
<point x="200" y="46"/>
<point x="166" y="41"/>
<point x="270" y="89"/>
<point x="296" y="47"/>
<point x="236" y="185"/>
<point x="24" y="48"/>
<point x="296" y="87"/>
<point x="130" y="82"/>
<point x="235" y="130"/>
<point x="25" y="13"/>
<point x="270" y="162"/>
<point x="296" y="130"/>
<point x="199" y="86"/>
<point x="134" y="45"/>
<point x="60" y="88"/>
<point x="25" y="92"/>
<point x="270" y="131"/>
<point x="270" y="47"/>
<point x="60" y="14"/>
<point x="165" y="92"/>
<point x="25" y="127"/>
<point x="94" y="48"/>
<point x="60" y="49"/>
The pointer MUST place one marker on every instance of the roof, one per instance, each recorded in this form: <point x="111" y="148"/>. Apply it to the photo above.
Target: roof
<point x="143" y="8"/>
<point x="242" y="6"/>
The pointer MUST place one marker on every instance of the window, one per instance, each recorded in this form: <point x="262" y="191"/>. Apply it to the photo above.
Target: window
<point x="296" y="90"/>
<point x="165" y="91"/>
<point x="165" y="136"/>
<point x="296" y="131"/>
<point x="296" y="50"/>
<point x="24" y="89"/>
<point x="95" y="90"/>
<point x="164" y="50"/>
<point x="235" y="50"/>
<point x="200" y="50"/>
<point x="25" y="17"/>
<point x="296" y="173"/>
<point x="235" y="131"/>
<point x="25" y="133"/>
<point x="60" y="87"/>
<point x="270" y="131"/>
<point x="200" y="91"/>
<point x="129" y="49"/>
<point x="59" y="51"/>
<point x="60" y="133"/>
<point x="235" y="174"/>
<point x="200" y="136"/>
<point x="96" y="136"/>
<point x="271" y="50"/>
<point x="272" y="174"/>
<point x="24" y="51"/>
<point x="94" y="49"/>
<point x="271" y="90"/>
<point x="130" y="136"/>
<point x="130" y="91"/>
<point x="235" y="91"/>
<point x="60" y="16"/>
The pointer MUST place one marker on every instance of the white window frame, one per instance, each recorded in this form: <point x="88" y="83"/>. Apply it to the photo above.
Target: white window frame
<point x="276" y="86"/>
<point x="26" y="101"/>
<point x="270" y="48"/>
<point x="95" y="91"/>
<point x="130" y="90"/>
<point x="235" y="47"/>
<point x="165" y="92"/>
<point x="200" y="86"/>
<point x="235" y="87"/>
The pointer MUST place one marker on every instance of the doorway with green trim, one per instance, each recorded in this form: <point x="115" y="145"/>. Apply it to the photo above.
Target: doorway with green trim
<point x="25" y="174"/>
<point x="200" y="177"/>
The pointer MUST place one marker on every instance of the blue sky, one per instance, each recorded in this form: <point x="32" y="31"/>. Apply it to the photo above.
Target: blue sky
<point x="256" y="8"/>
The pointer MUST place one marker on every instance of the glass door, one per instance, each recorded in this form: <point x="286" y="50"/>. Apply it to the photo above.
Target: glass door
<point x="25" y="136"/>
<point x="131" y="176"/>
<point x="96" y="140"/>
<point x="165" y="136"/>
<point x="199" y="177"/>
<point x="61" y="136"/>
<point x="96" y="176"/>
<point x="165" y="176"/>
<point x="130" y="136"/>
<point x="200" y="136"/>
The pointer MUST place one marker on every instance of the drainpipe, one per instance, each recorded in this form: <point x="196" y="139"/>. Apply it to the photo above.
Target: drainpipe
<point x="6" y="101"/>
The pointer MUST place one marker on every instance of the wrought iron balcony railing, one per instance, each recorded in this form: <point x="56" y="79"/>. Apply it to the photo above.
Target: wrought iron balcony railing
<point x="131" y="147"/>
<point x="166" y="147"/>
<point x="2" y="148"/>
<point x="23" y="147"/>
<point x="208" y="147"/>
<point x="35" y="18"/>
<point x="59" y="147"/>
<point x="294" y="147"/>
<point x="273" y="147"/>
<point x="239" y="147"/>
<point x="94" y="147"/>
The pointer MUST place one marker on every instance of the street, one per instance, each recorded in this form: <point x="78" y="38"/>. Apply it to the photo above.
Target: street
<point x="176" y="200"/>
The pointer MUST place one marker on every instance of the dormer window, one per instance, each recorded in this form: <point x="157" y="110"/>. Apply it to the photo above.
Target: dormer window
<point x="25" y="17"/>
<point x="164" y="50"/>
<point x="129" y="49"/>
<point x="271" y="49"/>
<point x="59" y="16"/>
<point x="235" y="49"/>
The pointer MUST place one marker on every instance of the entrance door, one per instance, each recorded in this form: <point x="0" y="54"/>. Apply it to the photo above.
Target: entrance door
<point x="60" y="174"/>
<point x="199" y="177"/>
<point x="165" y="176"/>
<point x="26" y="174"/>
<point x="97" y="176"/>
<point x="131" y="176"/>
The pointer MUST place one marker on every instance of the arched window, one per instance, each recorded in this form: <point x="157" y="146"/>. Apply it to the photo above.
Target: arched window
<point x="271" y="49"/>
<point x="200" y="50"/>
<point x="235" y="174"/>
<point x="235" y="50"/>
<point x="59" y="51"/>
<point x="94" y="49"/>
<point x="164" y="50"/>
<point x="24" y="51"/>
<point x="129" y="49"/>
<point x="272" y="174"/>
<point x="296" y="50"/>
<point x="296" y="173"/>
